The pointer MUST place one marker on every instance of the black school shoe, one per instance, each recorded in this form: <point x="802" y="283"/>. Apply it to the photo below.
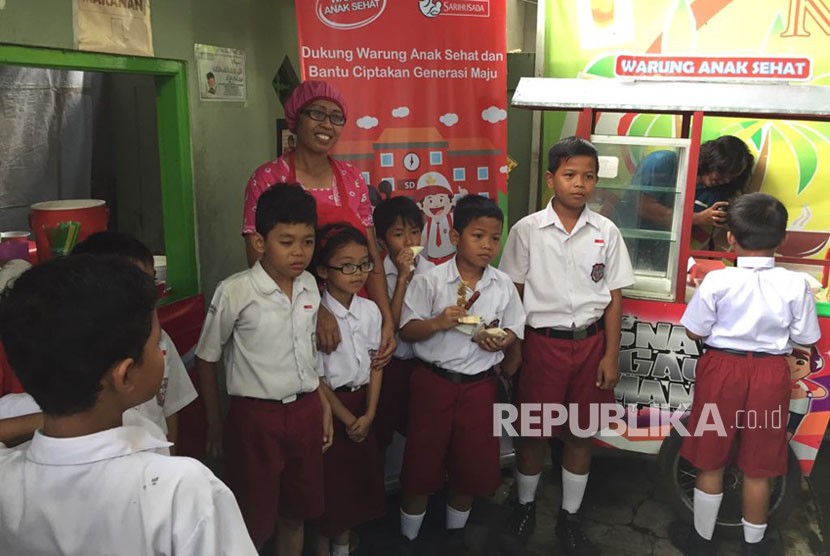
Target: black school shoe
<point x="455" y="543"/>
<point x="405" y="547"/>
<point x="687" y="540"/>
<point x="572" y="538"/>
<point x="763" y="548"/>
<point x="520" y="526"/>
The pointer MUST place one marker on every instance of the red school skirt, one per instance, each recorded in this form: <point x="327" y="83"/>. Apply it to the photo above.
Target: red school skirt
<point x="352" y="475"/>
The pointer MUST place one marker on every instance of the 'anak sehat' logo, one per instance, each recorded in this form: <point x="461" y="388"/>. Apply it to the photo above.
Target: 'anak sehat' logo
<point x="429" y="8"/>
<point x="343" y="15"/>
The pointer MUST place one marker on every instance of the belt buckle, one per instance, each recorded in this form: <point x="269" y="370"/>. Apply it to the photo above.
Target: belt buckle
<point x="289" y="399"/>
<point x="580" y="334"/>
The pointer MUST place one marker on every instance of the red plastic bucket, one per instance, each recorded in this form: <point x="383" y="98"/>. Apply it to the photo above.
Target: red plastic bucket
<point x="91" y="214"/>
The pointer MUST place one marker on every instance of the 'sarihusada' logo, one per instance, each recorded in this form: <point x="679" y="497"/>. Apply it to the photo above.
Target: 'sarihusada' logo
<point x="429" y="8"/>
<point x="349" y="14"/>
<point x="469" y="8"/>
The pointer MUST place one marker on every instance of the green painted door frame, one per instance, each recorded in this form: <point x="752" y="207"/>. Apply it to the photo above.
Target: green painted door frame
<point x="174" y="145"/>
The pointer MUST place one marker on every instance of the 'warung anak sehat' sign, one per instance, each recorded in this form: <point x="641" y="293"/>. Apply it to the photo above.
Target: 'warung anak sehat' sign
<point x="645" y="66"/>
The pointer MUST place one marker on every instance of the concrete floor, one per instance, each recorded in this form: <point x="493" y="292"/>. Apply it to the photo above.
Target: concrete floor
<point x="625" y="513"/>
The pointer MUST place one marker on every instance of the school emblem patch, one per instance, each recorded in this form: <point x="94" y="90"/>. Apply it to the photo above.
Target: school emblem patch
<point x="597" y="272"/>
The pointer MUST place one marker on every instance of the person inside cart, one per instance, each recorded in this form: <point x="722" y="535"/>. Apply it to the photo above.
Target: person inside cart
<point x="723" y="173"/>
<point x="570" y="265"/>
<point x="747" y="316"/>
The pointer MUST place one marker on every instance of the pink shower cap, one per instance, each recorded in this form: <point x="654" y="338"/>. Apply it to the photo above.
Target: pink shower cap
<point x="307" y="92"/>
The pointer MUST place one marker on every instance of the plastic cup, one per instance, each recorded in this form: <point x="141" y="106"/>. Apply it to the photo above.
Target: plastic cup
<point x="14" y="236"/>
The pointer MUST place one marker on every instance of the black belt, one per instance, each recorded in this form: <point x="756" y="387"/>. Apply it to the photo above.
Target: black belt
<point x="576" y="334"/>
<point x="348" y="388"/>
<point x="288" y="399"/>
<point x="740" y="353"/>
<point x="456" y="377"/>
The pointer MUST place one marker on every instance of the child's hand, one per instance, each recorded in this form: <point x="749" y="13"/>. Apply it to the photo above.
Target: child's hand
<point x="359" y="429"/>
<point x="608" y="373"/>
<point x="489" y="343"/>
<point x="214" y="439"/>
<point x="405" y="263"/>
<point x="328" y="428"/>
<point x="495" y="343"/>
<point x="448" y="318"/>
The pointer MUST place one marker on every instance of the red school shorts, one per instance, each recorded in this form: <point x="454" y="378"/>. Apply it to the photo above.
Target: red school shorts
<point x="560" y="371"/>
<point x="393" y="404"/>
<point x="352" y="475"/>
<point x="450" y="436"/>
<point x="274" y="461"/>
<point x="751" y="396"/>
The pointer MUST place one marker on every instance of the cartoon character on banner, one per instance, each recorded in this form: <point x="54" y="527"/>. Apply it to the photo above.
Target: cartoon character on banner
<point x="803" y="362"/>
<point x="436" y="200"/>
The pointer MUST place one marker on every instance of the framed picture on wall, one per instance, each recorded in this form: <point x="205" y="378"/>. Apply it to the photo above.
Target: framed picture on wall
<point x="285" y="139"/>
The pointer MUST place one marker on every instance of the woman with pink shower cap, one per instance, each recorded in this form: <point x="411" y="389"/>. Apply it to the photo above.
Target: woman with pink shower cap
<point x="316" y="113"/>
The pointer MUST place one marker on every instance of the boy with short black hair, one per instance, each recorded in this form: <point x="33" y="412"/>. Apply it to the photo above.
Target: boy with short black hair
<point x="747" y="315"/>
<point x="570" y="265"/>
<point x="398" y="225"/>
<point x="279" y="422"/>
<point x="82" y="335"/>
<point x="176" y="390"/>
<point x="453" y="386"/>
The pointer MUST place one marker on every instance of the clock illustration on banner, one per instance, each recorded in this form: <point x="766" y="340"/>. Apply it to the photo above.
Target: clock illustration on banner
<point x="411" y="162"/>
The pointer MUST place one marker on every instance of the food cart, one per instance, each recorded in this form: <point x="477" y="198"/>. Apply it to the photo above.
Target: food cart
<point x="657" y="360"/>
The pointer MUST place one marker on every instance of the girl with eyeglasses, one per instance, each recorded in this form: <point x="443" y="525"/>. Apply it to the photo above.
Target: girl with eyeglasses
<point x="316" y="113"/>
<point x="350" y="378"/>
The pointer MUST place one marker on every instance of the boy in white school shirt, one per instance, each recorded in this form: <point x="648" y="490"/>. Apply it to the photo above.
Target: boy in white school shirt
<point x="747" y="316"/>
<point x="176" y="390"/>
<point x="82" y="334"/>
<point x="263" y="321"/>
<point x="570" y="265"/>
<point x="454" y="385"/>
<point x="398" y="225"/>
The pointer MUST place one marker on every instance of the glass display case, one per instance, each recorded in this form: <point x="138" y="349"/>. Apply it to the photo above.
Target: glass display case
<point x="641" y="189"/>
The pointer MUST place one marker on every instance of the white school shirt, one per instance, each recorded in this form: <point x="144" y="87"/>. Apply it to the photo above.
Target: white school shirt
<point x="268" y="340"/>
<point x="18" y="405"/>
<point x="753" y="307"/>
<point x="112" y="493"/>
<point x="176" y="390"/>
<point x="568" y="278"/>
<point x="351" y="363"/>
<point x="404" y="349"/>
<point x="432" y="292"/>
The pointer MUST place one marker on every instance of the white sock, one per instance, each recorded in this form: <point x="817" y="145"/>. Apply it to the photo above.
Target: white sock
<point x="411" y="524"/>
<point x="527" y="486"/>
<point x="340" y="549"/>
<point x="753" y="533"/>
<point x="573" y="489"/>
<point x="456" y="519"/>
<point x="706" y="508"/>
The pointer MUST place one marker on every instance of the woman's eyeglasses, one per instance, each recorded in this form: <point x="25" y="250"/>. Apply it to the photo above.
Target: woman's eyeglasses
<point x="350" y="268"/>
<point x="319" y="116"/>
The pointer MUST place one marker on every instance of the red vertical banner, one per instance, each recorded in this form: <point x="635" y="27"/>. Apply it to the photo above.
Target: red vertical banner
<point x="426" y="85"/>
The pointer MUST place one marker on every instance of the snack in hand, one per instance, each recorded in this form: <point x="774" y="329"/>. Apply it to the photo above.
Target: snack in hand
<point x="416" y="250"/>
<point x="482" y="333"/>
<point x="469" y="319"/>
<point x="462" y="294"/>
